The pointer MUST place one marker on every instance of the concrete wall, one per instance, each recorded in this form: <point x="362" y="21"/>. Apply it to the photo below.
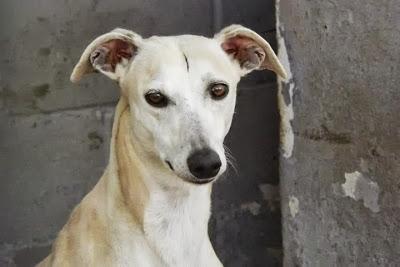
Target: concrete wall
<point x="54" y="135"/>
<point x="340" y="109"/>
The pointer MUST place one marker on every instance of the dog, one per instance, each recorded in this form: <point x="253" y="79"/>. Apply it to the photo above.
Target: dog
<point x="177" y="96"/>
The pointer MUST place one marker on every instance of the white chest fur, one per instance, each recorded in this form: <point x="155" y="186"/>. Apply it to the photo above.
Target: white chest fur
<point x="175" y="223"/>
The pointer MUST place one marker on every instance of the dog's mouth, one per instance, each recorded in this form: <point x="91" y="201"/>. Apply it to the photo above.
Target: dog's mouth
<point x="192" y="180"/>
<point x="202" y="181"/>
<point x="169" y="165"/>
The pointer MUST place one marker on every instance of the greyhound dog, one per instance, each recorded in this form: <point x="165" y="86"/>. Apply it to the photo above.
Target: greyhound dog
<point x="152" y="205"/>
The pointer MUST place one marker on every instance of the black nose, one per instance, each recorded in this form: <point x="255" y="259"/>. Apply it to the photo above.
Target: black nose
<point x="204" y="163"/>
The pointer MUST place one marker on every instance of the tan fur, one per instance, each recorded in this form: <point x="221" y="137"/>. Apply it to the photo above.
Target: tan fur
<point x="85" y="239"/>
<point x="134" y="194"/>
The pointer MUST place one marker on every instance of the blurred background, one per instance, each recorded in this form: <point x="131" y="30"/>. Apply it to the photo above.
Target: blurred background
<point x="54" y="135"/>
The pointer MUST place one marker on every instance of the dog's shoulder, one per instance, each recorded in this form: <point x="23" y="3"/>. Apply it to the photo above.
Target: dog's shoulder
<point x="83" y="236"/>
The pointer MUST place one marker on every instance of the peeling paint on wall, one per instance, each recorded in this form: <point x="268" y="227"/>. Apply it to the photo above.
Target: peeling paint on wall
<point x="285" y="109"/>
<point x="359" y="187"/>
<point x="344" y="169"/>
<point x="293" y="206"/>
<point x="349" y="187"/>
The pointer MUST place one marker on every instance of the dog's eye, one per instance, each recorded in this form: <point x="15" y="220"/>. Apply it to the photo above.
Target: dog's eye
<point x="218" y="91"/>
<point x="156" y="99"/>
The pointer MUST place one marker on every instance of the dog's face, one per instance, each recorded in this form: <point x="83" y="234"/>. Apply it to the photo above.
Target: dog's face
<point x="182" y="103"/>
<point x="181" y="91"/>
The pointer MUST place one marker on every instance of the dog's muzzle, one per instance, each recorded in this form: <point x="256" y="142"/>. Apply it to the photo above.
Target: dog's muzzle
<point x="204" y="164"/>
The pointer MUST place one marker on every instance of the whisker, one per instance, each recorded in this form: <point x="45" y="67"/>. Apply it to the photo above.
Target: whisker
<point x="230" y="160"/>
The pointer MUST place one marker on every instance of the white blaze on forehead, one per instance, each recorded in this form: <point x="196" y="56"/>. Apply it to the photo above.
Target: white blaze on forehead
<point x="206" y="55"/>
<point x="166" y="59"/>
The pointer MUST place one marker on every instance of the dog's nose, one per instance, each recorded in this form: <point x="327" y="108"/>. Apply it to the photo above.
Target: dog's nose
<point x="204" y="163"/>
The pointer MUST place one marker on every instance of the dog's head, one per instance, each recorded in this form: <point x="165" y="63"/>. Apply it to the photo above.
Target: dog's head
<point x="181" y="91"/>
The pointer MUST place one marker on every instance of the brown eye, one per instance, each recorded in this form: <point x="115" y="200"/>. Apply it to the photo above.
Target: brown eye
<point x="156" y="99"/>
<point x="218" y="91"/>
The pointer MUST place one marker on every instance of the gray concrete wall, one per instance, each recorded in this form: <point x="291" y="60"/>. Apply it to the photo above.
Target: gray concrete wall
<point x="340" y="166"/>
<point x="54" y="136"/>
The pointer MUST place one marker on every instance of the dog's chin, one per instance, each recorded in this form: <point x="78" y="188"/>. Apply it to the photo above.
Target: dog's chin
<point x="200" y="181"/>
<point x="195" y="181"/>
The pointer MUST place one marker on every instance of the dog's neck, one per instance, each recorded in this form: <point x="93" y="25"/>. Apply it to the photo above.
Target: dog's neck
<point x="172" y="215"/>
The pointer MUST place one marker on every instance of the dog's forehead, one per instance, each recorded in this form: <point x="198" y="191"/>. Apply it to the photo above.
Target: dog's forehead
<point x="197" y="55"/>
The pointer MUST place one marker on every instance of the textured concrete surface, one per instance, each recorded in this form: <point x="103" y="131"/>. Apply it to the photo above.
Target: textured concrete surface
<point x="48" y="163"/>
<point x="340" y="177"/>
<point x="45" y="39"/>
<point x="54" y="135"/>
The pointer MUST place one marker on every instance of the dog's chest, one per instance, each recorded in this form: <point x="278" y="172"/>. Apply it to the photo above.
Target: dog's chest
<point x="176" y="226"/>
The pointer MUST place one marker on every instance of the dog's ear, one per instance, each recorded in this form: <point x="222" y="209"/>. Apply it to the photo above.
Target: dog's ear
<point x="249" y="50"/>
<point x="110" y="54"/>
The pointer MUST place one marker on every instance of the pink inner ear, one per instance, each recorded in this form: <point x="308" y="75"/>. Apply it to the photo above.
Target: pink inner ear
<point x="245" y="50"/>
<point x="118" y="49"/>
<point x="234" y="44"/>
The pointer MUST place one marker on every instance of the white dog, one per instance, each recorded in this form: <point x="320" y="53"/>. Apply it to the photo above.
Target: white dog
<point x="152" y="204"/>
